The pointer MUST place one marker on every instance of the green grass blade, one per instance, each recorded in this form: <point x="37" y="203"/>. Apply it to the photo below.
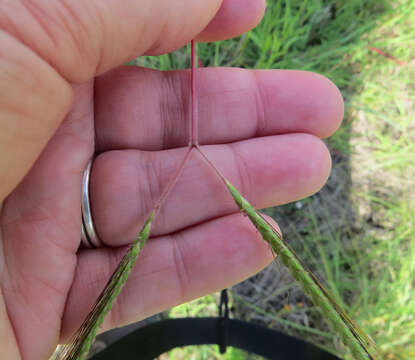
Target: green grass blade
<point x="360" y="344"/>
<point x="82" y="341"/>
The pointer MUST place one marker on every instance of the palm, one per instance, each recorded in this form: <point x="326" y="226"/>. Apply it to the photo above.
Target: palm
<point x="199" y="242"/>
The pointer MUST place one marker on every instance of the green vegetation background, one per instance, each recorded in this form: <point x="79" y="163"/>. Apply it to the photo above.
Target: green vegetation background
<point x="358" y="232"/>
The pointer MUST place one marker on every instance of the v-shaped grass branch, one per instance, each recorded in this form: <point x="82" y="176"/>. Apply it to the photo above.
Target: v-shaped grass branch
<point x="360" y="344"/>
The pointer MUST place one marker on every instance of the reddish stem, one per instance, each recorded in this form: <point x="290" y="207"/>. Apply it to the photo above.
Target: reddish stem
<point x="193" y="142"/>
<point x="172" y="182"/>
<point x="388" y="56"/>
<point x="194" y="122"/>
<point x="211" y="164"/>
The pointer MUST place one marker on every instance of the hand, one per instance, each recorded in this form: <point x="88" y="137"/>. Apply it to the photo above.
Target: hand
<point x="261" y="128"/>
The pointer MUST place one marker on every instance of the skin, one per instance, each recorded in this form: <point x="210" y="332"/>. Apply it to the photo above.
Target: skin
<point x="65" y="96"/>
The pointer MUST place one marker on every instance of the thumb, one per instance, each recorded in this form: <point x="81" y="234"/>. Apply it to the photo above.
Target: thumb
<point x="81" y="39"/>
<point x="33" y="101"/>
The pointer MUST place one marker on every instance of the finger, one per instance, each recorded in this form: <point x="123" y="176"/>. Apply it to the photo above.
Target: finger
<point x="233" y="18"/>
<point x="40" y="226"/>
<point x="171" y="270"/>
<point x="233" y="104"/>
<point x="125" y="185"/>
<point x="83" y="38"/>
<point x="33" y="101"/>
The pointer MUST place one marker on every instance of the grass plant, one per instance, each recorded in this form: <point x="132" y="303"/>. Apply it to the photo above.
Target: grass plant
<point x="358" y="233"/>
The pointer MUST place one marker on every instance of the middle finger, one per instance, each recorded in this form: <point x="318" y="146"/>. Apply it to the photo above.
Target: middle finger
<point x="126" y="184"/>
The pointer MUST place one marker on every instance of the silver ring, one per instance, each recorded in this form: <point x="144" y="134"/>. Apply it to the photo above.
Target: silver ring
<point x="89" y="237"/>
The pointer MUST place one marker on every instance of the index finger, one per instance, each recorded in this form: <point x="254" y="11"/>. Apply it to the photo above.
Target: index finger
<point x="233" y="104"/>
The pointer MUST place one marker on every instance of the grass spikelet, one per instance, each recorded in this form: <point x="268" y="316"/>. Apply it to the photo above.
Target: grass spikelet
<point x="359" y="343"/>
<point x="81" y="343"/>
